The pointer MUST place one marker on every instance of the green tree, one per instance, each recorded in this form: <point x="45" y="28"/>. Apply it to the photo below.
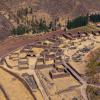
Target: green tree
<point x="77" y="22"/>
<point x="20" y="30"/>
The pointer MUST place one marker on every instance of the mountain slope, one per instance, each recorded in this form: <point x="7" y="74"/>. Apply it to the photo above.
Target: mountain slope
<point x="70" y="8"/>
<point x="46" y="8"/>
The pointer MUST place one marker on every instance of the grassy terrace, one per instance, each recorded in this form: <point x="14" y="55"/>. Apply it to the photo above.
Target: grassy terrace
<point x="13" y="87"/>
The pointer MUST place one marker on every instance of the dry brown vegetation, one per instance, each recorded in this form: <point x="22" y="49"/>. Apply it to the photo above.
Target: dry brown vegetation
<point x="93" y="67"/>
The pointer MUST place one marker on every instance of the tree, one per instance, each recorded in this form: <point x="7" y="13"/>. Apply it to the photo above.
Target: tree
<point x="77" y="22"/>
<point x="20" y="30"/>
<point x="95" y="18"/>
<point x="42" y="26"/>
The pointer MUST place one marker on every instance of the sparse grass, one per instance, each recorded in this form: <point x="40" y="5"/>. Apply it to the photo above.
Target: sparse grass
<point x="90" y="27"/>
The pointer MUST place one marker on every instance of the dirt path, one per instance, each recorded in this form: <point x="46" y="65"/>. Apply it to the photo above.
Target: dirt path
<point x="3" y="94"/>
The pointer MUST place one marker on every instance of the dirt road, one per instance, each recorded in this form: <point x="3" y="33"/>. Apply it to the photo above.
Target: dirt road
<point x="13" y="43"/>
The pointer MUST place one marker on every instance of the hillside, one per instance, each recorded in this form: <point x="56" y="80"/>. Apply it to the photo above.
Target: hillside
<point x="47" y="8"/>
<point x="69" y="8"/>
